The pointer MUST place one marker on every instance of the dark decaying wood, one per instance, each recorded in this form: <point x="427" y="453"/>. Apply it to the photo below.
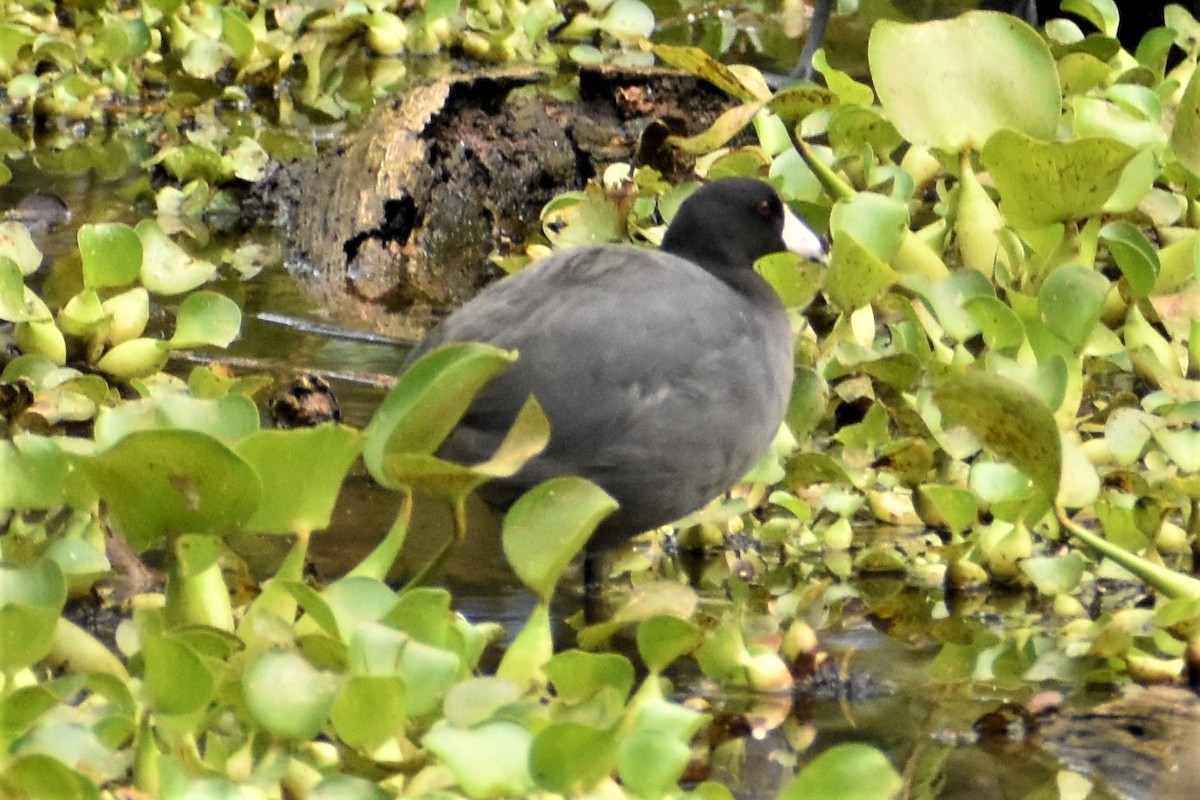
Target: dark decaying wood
<point x="395" y="226"/>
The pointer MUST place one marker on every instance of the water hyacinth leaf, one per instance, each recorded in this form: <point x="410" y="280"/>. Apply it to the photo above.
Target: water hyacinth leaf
<point x="850" y="771"/>
<point x="31" y="599"/>
<point x="1053" y="575"/>
<point x="794" y="103"/>
<point x="549" y="525"/>
<point x="491" y="760"/>
<point x="476" y="700"/>
<point x="1070" y="302"/>
<point x="167" y="268"/>
<point x="855" y="276"/>
<point x="724" y="128"/>
<point x="1041" y="182"/>
<point x="1127" y="432"/>
<point x="228" y="418"/>
<point x="43" y="338"/>
<point x="12" y="292"/>
<point x="571" y="757"/>
<point x="628" y="19"/>
<point x="296" y="500"/>
<point x="662" y="639"/>
<point x="158" y="482"/>
<point x="658" y="598"/>
<point x="1185" y="137"/>
<point x="695" y="61"/>
<point x="128" y="314"/>
<point x="999" y="324"/>
<point x="368" y="710"/>
<point x="111" y="253"/>
<point x="952" y="84"/>
<point x="948" y="299"/>
<point x="206" y="318"/>
<point x="577" y="675"/>
<point x="651" y="764"/>
<point x="1095" y="117"/>
<point x="528" y="436"/>
<point x="1134" y="254"/>
<point x="347" y="787"/>
<point x="428" y="400"/>
<point x="529" y="651"/>
<point x="951" y="507"/>
<point x="428" y="672"/>
<point x="581" y="218"/>
<point x="33" y="473"/>
<point x="1011" y="420"/>
<point x="17" y="245"/>
<point x="82" y="315"/>
<point x="354" y="600"/>
<point x="176" y="679"/>
<point x="1104" y="14"/>
<point x="286" y="695"/>
<point x="794" y="279"/>
<point x="135" y="358"/>
<point x="42" y="777"/>
<point x="875" y="222"/>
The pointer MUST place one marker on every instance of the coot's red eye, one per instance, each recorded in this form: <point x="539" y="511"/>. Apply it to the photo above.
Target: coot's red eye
<point x="763" y="208"/>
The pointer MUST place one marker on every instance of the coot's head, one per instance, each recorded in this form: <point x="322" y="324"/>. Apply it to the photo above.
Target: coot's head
<point x="730" y="223"/>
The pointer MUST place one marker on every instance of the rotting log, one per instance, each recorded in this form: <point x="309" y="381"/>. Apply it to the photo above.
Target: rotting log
<point x="396" y="224"/>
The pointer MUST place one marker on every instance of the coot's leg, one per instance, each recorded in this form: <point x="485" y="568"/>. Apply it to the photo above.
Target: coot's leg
<point x="803" y="70"/>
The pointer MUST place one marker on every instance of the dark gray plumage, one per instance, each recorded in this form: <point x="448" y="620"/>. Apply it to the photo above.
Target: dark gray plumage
<point x="665" y="374"/>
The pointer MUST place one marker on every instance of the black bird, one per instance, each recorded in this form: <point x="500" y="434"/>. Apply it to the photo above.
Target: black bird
<point x="664" y="374"/>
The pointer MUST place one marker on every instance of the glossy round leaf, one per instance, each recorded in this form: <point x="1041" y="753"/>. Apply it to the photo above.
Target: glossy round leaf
<point x="578" y="675"/>
<point x="845" y="772"/>
<point x="1041" y="182"/>
<point x="951" y="84"/>
<point x="286" y="695"/>
<point x="206" y="318"/>
<point x="571" y="758"/>
<point x="135" y="358"/>
<point x="17" y="244"/>
<point x="549" y="525"/>
<point x="428" y="401"/>
<point x="111" y="253"/>
<point x="158" y="482"/>
<point x="228" y="419"/>
<point x="651" y="764"/>
<point x="176" y="679"/>
<point x="1011" y="420"/>
<point x="1185" y="137"/>
<point x="661" y="640"/>
<point x="301" y="472"/>
<point x="855" y="276"/>
<point x="368" y="710"/>
<point x="166" y="267"/>
<point x="1070" y="302"/>
<point x="31" y="600"/>
<point x="490" y="760"/>
<point x="1134" y="254"/>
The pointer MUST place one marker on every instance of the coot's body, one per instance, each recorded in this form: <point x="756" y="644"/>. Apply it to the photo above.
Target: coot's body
<point x="664" y="374"/>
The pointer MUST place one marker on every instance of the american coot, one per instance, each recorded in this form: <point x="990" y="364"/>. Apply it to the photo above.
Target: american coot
<point x="664" y="374"/>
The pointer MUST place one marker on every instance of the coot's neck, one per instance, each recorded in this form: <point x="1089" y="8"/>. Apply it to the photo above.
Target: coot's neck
<point x="719" y="259"/>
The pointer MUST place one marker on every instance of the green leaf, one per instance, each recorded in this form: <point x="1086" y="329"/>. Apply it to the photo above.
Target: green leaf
<point x="176" y="679"/>
<point x="368" y="710"/>
<point x="17" y="245"/>
<point x="1070" y="302"/>
<point x="571" y="758"/>
<point x="1104" y="14"/>
<point x="491" y="760"/>
<point x="661" y="640"/>
<point x="111" y="253"/>
<point x="549" y="525"/>
<point x="1134" y="254"/>
<point x="1185" y="137"/>
<point x="1011" y="420"/>
<point x="166" y="267"/>
<point x="227" y="419"/>
<point x="855" y="276"/>
<point x="135" y="358"/>
<point x="301" y="472"/>
<point x="1055" y="574"/>
<point x="845" y="772"/>
<point x="286" y="695"/>
<point x="1042" y="182"/>
<point x="427" y="402"/>
<point x="206" y="318"/>
<point x="696" y="62"/>
<point x="31" y="600"/>
<point x="159" y="482"/>
<point x="577" y="675"/>
<point x="952" y="84"/>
